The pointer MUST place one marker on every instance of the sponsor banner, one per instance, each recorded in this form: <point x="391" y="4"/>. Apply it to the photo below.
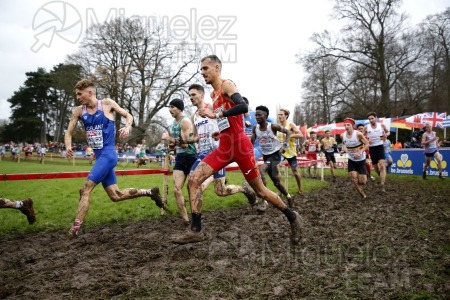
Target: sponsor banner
<point x="411" y="162"/>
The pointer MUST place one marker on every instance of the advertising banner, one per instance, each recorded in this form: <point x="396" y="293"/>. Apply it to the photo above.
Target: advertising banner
<point x="411" y="161"/>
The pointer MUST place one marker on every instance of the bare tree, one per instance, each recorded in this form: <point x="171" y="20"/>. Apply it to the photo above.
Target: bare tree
<point x="436" y="29"/>
<point x="374" y="38"/>
<point x="322" y="87"/>
<point x="139" y="67"/>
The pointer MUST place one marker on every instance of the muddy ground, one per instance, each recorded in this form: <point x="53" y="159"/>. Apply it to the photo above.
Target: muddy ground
<point x="394" y="246"/>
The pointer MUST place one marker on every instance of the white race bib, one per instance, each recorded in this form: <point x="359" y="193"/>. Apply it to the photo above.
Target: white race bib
<point x="95" y="139"/>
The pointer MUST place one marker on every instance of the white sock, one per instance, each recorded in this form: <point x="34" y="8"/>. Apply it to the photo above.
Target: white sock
<point x="19" y="204"/>
<point x="145" y="192"/>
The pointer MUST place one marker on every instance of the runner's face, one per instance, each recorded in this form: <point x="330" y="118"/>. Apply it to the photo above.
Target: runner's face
<point x="195" y="96"/>
<point x="281" y="116"/>
<point x="260" y="117"/>
<point x="209" y="70"/>
<point x="372" y="120"/>
<point x="174" y="111"/>
<point x="361" y="129"/>
<point x="83" y="95"/>
<point x="348" y="127"/>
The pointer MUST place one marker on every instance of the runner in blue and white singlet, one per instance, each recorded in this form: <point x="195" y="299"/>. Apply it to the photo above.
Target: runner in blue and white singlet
<point x="430" y="143"/>
<point x="98" y="117"/>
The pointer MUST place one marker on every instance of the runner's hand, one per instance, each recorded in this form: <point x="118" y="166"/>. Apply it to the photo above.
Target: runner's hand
<point x="123" y="132"/>
<point x="69" y="153"/>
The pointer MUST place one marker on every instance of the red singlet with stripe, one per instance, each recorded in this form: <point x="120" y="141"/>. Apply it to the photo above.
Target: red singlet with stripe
<point x="234" y="144"/>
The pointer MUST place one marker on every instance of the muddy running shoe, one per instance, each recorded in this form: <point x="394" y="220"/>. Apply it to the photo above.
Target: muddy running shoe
<point x="249" y="193"/>
<point x="28" y="210"/>
<point x="334" y="178"/>
<point x="372" y="178"/>
<point x="186" y="224"/>
<point x="295" y="229"/>
<point x="189" y="237"/>
<point x="261" y="209"/>
<point x="441" y="177"/>
<point x="383" y="190"/>
<point x="155" y="196"/>
<point x="424" y="175"/>
<point x="75" y="231"/>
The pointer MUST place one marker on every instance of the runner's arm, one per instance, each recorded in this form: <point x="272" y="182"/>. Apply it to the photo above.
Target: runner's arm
<point x="76" y="114"/>
<point x="241" y="107"/>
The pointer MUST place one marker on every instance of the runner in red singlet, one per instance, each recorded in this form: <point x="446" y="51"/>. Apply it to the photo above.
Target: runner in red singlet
<point x="234" y="146"/>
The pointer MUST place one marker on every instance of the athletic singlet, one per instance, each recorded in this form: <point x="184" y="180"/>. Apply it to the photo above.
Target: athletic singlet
<point x="354" y="145"/>
<point x="375" y="135"/>
<point x="430" y="147"/>
<point x="229" y="125"/>
<point x="100" y="131"/>
<point x="176" y="133"/>
<point x="312" y="146"/>
<point x="249" y="130"/>
<point x="329" y="142"/>
<point x="291" y="151"/>
<point x="205" y="128"/>
<point x="387" y="146"/>
<point x="268" y="142"/>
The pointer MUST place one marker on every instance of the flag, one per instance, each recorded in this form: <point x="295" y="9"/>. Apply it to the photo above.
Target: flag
<point x="446" y="122"/>
<point x="304" y="131"/>
<point x="398" y="123"/>
<point x="434" y="118"/>
<point x="415" y="121"/>
<point x="386" y="122"/>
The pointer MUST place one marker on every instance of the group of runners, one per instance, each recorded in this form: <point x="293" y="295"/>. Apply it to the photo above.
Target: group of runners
<point x="209" y="141"/>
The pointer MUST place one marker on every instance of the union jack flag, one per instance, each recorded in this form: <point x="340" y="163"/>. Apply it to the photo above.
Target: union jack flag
<point x="434" y="118"/>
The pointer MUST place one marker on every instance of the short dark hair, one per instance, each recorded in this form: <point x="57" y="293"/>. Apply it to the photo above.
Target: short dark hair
<point x="212" y="57"/>
<point x="263" y="108"/>
<point x="359" y="125"/>
<point x="372" y="113"/>
<point x="197" y="87"/>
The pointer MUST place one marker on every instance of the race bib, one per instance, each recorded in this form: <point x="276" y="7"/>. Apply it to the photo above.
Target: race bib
<point x="312" y="148"/>
<point x="222" y="123"/>
<point x="95" y="139"/>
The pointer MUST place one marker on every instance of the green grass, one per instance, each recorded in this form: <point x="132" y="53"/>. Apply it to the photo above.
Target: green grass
<point x="56" y="200"/>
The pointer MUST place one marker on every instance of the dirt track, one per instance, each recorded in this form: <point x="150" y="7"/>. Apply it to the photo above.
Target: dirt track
<point x="390" y="246"/>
